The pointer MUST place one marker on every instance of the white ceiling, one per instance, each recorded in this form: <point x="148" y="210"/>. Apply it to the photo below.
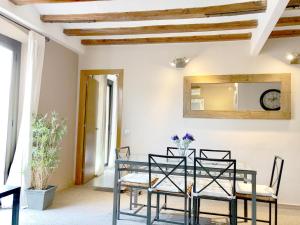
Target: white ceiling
<point x="146" y="5"/>
<point x="142" y="5"/>
<point x="126" y="5"/>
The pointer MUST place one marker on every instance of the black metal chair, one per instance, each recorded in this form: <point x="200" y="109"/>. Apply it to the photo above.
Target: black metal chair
<point x="175" y="151"/>
<point x="133" y="182"/>
<point x="173" y="182"/>
<point x="215" y="179"/>
<point x="215" y="154"/>
<point x="264" y="193"/>
<point x="123" y="152"/>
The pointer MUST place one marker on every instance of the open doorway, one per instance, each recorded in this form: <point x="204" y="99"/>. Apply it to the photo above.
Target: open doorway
<point x="109" y="117"/>
<point x="99" y="122"/>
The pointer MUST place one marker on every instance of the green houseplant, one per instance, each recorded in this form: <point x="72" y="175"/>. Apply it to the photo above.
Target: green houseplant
<point x="47" y="134"/>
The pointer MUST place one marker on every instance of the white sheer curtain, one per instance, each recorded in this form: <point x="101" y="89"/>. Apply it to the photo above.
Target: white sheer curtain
<point x="20" y="174"/>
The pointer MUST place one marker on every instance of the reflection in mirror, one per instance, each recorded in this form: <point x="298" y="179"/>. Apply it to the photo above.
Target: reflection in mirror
<point x="264" y="96"/>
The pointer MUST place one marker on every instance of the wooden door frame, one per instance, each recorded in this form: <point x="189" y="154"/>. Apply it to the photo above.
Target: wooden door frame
<point x="81" y="115"/>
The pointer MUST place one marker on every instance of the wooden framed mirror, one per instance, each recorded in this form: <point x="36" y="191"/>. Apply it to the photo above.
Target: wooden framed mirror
<point x="249" y="96"/>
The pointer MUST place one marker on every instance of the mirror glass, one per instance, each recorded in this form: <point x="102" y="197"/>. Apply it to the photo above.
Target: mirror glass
<point x="264" y="96"/>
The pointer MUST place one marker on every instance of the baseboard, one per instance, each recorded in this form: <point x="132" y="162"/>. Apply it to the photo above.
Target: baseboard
<point x="65" y="186"/>
<point x="289" y="206"/>
<point x="104" y="189"/>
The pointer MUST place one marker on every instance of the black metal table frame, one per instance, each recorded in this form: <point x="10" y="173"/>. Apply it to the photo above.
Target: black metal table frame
<point x="141" y="166"/>
<point x="15" y="191"/>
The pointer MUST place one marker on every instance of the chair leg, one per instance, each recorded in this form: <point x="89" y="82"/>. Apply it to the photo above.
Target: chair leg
<point x="195" y="207"/>
<point x="185" y="210"/>
<point x="165" y="205"/>
<point x="198" y="210"/>
<point x="149" y="193"/>
<point x="270" y="213"/>
<point x="276" y="211"/>
<point x="190" y="210"/>
<point x="130" y="200"/>
<point x="157" y="205"/>
<point x="233" y="212"/>
<point x="245" y="210"/>
<point x="118" y="200"/>
<point x="230" y="212"/>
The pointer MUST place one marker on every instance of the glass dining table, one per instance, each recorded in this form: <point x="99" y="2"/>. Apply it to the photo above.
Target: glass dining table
<point x="139" y="163"/>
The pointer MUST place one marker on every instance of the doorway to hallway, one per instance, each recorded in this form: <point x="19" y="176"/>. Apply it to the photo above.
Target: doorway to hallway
<point x="99" y="122"/>
<point x="109" y="119"/>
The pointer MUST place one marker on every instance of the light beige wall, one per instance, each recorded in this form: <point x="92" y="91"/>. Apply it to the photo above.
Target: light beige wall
<point x="153" y="95"/>
<point x="59" y="93"/>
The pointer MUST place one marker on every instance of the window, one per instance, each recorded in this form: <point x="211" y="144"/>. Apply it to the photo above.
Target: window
<point x="10" y="54"/>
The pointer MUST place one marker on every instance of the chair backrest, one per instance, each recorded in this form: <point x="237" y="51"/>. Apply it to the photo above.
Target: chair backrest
<point x="174" y="151"/>
<point x="276" y="174"/>
<point x="122" y="152"/>
<point x="168" y="166"/>
<point x="216" y="177"/>
<point x="215" y="154"/>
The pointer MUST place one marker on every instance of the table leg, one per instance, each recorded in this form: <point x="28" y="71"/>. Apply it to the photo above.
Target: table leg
<point x="149" y="195"/>
<point x="115" y="201"/>
<point x="16" y="207"/>
<point x="135" y="197"/>
<point x="253" y="181"/>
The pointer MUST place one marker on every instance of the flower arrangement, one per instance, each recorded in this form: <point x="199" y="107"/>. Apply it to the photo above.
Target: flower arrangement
<point x="183" y="144"/>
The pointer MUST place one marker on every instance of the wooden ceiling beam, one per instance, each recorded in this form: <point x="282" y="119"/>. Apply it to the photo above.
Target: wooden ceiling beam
<point x="160" y="29"/>
<point x="294" y="4"/>
<point x="27" y="2"/>
<point x="182" y="13"/>
<point x="288" y="21"/>
<point x="184" y="39"/>
<point x="285" y="33"/>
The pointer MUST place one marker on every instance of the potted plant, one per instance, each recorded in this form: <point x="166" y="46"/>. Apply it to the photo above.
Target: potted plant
<point x="47" y="134"/>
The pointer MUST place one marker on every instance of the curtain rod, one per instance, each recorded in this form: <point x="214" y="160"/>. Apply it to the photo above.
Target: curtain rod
<point x="23" y="26"/>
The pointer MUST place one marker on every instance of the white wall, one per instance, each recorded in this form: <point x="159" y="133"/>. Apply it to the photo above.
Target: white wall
<point x="29" y="16"/>
<point x="152" y="108"/>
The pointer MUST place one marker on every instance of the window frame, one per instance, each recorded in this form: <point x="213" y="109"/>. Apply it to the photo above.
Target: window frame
<point x="12" y="130"/>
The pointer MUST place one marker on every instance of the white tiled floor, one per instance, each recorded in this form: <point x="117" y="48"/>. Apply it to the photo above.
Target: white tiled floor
<point x="104" y="182"/>
<point x="82" y="205"/>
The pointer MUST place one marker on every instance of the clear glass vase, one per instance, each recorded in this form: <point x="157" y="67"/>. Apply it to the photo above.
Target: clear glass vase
<point x="182" y="152"/>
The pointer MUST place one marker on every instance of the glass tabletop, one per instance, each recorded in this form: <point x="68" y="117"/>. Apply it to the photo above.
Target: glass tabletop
<point x="143" y="159"/>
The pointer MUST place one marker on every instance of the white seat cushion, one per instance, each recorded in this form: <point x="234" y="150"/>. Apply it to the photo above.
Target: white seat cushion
<point x="168" y="186"/>
<point x="214" y="190"/>
<point x="139" y="179"/>
<point x="261" y="190"/>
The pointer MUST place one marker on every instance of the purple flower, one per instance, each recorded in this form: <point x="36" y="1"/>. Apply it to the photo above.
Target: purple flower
<point x="188" y="136"/>
<point x="175" y="138"/>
